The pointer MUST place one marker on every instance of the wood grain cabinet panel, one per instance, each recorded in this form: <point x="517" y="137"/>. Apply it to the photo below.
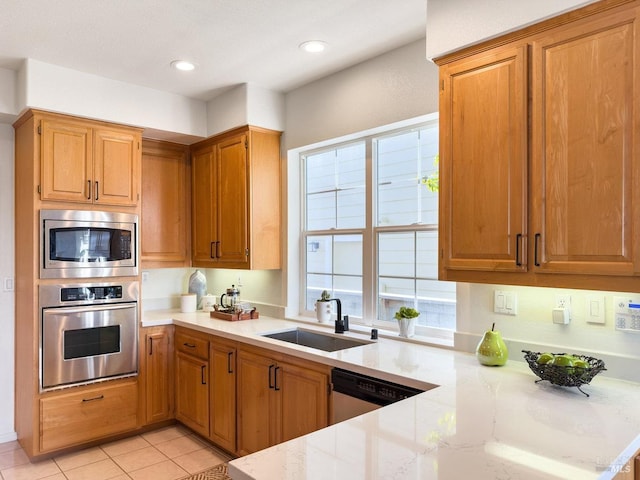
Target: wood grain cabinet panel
<point x="278" y="399"/>
<point x="222" y="393"/>
<point x="90" y="163"/>
<point x="539" y="155"/>
<point x="165" y="205"/>
<point x="586" y="115"/>
<point x="158" y="373"/>
<point x="72" y="418"/>
<point x="483" y="108"/>
<point x="236" y="206"/>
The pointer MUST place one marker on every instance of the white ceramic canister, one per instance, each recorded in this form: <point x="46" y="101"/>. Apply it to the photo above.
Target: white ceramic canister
<point x="188" y="302"/>
<point x="323" y="311"/>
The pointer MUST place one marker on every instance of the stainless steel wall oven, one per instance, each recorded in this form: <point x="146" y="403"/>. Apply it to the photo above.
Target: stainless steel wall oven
<point x="88" y="333"/>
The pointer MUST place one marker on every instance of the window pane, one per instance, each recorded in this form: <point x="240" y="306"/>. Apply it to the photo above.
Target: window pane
<point x="427" y="254"/>
<point x="334" y="263"/>
<point x="396" y="254"/>
<point x="335" y="188"/>
<point x="403" y="160"/>
<point x="437" y="304"/>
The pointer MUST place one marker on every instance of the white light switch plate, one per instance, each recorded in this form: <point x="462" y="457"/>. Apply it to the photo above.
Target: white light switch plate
<point x="594" y="309"/>
<point x="505" y="302"/>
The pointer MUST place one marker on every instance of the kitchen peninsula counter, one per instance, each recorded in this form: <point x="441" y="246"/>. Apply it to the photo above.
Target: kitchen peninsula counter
<point x="480" y="422"/>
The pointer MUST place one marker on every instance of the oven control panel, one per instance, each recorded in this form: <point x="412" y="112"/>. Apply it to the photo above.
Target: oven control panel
<point x="89" y="294"/>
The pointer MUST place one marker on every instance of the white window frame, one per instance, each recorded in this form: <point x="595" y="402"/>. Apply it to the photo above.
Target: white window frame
<point x="296" y="271"/>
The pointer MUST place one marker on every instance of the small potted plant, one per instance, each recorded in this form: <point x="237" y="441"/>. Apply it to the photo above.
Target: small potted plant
<point x="406" y="317"/>
<point x="323" y="307"/>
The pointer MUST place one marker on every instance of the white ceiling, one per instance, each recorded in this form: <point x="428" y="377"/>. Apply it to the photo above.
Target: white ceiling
<point x="231" y="41"/>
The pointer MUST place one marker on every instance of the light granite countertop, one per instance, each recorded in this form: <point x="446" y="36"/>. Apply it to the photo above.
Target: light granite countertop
<point x="480" y="422"/>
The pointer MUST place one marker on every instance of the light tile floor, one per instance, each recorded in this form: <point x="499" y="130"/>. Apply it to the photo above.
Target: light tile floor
<point x="169" y="453"/>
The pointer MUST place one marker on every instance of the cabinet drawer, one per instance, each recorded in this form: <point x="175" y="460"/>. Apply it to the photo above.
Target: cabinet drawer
<point x="192" y="345"/>
<point x="73" y="418"/>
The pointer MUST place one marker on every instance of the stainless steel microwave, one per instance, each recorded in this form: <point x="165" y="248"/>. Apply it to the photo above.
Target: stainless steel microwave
<point x="86" y="243"/>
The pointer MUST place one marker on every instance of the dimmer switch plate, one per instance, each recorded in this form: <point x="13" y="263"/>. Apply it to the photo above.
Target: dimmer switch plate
<point x="505" y="302"/>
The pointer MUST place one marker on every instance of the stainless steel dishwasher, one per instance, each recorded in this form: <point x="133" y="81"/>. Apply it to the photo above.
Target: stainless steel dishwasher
<point x="355" y="394"/>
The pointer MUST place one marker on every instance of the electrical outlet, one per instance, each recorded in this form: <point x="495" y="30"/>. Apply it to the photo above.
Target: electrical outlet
<point x="145" y="277"/>
<point x="563" y="300"/>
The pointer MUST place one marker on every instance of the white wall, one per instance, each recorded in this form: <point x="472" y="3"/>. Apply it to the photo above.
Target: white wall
<point x="7" y="315"/>
<point x="395" y="86"/>
<point x="532" y="329"/>
<point x="59" y="89"/>
<point x="453" y="24"/>
<point x="245" y="105"/>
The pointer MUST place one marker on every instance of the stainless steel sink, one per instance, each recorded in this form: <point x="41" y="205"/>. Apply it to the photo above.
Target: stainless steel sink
<point x="321" y="341"/>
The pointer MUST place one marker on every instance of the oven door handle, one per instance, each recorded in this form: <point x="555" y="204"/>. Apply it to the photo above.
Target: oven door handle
<point x="89" y="308"/>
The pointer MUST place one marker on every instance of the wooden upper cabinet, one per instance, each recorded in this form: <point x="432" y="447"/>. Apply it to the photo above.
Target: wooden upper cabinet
<point x="236" y="206"/>
<point x="117" y="162"/>
<point x="585" y="167"/>
<point x="540" y="173"/>
<point x="203" y="211"/>
<point x="88" y="162"/>
<point x="483" y="162"/>
<point x="165" y="205"/>
<point x="66" y="166"/>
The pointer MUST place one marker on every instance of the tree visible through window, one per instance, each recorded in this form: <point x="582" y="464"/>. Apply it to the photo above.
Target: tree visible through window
<point x="371" y="228"/>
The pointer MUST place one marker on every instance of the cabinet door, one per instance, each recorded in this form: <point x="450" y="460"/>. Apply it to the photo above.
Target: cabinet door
<point x="203" y="208"/>
<point x="223" y="395"/>
<point x="483" y="162"/>
<point x="158" y="375"/>
<point x="164" y="219"/>
<point x="305" y="400"/>
<point x="231" y="199"/>
<point x="116" y="167"/>
<point x="585" y="169"/>
<point x="192" y="392"/>
<point x="257" y="425"/>
<point x="66" y="161"/>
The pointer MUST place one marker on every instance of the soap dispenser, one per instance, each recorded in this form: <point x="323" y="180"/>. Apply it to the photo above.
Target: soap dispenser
<point x="492" y="350"/>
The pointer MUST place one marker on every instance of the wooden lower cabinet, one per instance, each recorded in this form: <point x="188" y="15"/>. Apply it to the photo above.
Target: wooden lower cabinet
<point x="278" y="400"/>
<point x="157" y="362"/>
<point x="192" y="379"/>
<point x="75" y="417"/>
<point x="222" y="394"/>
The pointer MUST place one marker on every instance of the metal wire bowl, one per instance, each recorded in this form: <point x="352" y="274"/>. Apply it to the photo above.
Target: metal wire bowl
<point x="565" y="376"/>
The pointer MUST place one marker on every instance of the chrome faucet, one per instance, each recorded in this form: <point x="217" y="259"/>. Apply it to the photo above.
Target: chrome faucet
<point x="342" y="324"/>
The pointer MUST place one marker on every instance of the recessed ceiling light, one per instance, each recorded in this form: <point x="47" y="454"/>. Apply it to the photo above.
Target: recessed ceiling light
<point x="313" y="46"/>
<point x="183" y="65"/>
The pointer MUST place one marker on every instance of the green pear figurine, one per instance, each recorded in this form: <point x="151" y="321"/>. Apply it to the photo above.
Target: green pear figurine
<point x="492" y="350"/>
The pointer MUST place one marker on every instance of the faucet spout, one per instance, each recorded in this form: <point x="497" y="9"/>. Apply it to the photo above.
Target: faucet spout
<point x="339" y="323"/>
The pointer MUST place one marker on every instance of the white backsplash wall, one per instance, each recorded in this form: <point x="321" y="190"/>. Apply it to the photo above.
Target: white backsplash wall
<point x="533" y="329"/>
<point x="162" y="287"/>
